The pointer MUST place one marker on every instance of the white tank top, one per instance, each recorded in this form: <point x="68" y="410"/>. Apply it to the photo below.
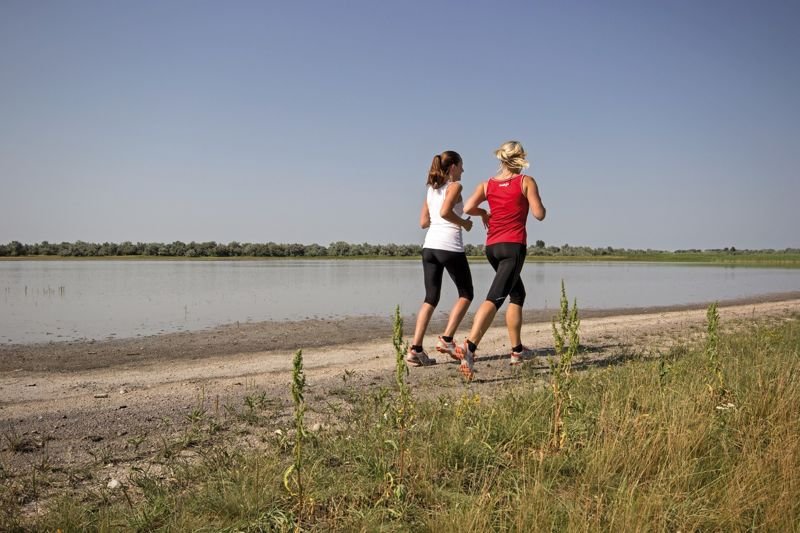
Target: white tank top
<point x="442" y="234"/>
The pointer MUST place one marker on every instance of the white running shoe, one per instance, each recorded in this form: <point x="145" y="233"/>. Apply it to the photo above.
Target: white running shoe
<point x="467" y="357"/>
<point x="518" y="357"/>
<point x="450" y="348"/>
<point x="414" y="358"/>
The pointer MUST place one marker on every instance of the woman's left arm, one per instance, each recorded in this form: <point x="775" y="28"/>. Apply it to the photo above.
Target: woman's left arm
<point x="450" y="199"/>
<point x="531" y="191"/>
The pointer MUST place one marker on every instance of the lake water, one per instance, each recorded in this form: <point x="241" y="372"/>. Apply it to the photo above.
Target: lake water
<point x="44" y="301"/>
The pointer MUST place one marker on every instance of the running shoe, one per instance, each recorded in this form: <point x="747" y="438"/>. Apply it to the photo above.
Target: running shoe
<point x="518" y="357"/>
<point x="467" y="357"/>
<point x="414" y="358"/>
<point x="450" y="348"/>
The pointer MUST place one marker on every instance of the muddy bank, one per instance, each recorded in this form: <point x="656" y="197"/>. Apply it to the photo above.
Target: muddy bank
<point x="75" y="356"/>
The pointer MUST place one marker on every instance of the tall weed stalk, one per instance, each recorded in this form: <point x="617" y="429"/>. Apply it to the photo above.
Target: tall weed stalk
<point x="715" y="379"/>
<point x="403" y="408"/>
<point x="566" y="341"/>
<point x="296" y="468"/>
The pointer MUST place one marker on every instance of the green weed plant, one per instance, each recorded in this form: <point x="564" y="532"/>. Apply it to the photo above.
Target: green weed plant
<point x="295" y="470"/>
<point x="716" y="379"/>
<point x="566" y="341"/>
<point x="402" y="412"/>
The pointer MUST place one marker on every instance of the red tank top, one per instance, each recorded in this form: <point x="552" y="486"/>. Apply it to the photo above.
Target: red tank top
<point x="509" y="209"/>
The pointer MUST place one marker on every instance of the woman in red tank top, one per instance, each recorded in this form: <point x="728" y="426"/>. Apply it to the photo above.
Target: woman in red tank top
<point x="511" y="195"/>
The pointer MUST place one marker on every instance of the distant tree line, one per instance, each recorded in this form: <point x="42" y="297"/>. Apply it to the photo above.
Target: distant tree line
<point x="335" y="249"/>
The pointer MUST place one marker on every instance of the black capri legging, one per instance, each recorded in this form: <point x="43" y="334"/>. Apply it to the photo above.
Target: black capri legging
<point x="506" y="259"/>
<point x="434" y="263"/>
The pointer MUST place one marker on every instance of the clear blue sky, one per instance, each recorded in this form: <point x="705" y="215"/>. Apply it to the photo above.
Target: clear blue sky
<point x="668" y="124"/>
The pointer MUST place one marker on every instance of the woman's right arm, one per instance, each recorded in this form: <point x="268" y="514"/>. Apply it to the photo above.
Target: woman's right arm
<point x="472" y="203"/>
<point x="477" y="198"/>
<point x="425" y="216"/>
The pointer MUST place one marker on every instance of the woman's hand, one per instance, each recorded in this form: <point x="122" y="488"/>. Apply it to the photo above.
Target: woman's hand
<point x="467" y="224"/>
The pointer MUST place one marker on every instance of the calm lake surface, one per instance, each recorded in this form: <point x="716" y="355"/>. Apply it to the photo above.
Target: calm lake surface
<point x="44" y="301"/>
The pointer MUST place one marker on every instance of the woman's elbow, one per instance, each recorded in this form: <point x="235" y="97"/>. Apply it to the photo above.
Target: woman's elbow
<point x="539" y="214"/>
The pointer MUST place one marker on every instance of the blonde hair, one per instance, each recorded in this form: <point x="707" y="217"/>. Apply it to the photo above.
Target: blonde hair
<point x="512" y="156"/>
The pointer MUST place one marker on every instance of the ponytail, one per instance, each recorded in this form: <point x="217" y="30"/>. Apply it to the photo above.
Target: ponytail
<point x="440" y="166"/>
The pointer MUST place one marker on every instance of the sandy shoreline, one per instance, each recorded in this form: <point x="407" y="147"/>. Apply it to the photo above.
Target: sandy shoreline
<point x="70" y="403"/>
<point x="233" y="339"/>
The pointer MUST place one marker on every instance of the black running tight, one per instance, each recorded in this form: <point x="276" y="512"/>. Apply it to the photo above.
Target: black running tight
<point x="434" y="263"/>
<point x="506" y="259"/>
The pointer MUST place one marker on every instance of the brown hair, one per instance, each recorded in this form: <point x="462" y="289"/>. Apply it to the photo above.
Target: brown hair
<point x="437" y="175"/>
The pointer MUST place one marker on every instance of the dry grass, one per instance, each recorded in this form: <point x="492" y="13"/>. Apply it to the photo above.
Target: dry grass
<point x="650" y="448"/>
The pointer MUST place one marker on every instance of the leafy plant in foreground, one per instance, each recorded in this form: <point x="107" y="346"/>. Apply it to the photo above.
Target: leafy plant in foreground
<point x="566" y="343"/>
<point x="296" y="468"/>
<point x="403" y="408"/>
<point x="715" y="379"/>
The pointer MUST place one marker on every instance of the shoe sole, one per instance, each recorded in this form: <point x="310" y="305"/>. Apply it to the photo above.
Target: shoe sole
<point x="467" y="373"/>
<point x="458" y="355"/>
<point x="452" y="353"/>
<point x="417" y="363"/>
<point x="467" y="362"/>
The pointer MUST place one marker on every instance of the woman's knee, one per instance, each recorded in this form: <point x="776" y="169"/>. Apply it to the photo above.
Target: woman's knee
<point x="497" y="302"/>
<point x="432" y="299"/>
<point x="466" y="293"/>
<point x="517" y="297"/>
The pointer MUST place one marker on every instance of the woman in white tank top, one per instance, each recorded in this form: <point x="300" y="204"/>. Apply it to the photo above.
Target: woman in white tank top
<point x="443" y="215"/>
<point x="442" y="233"/>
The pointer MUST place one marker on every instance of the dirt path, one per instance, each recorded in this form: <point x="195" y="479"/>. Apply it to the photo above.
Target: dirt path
<point x="100" y="420"/>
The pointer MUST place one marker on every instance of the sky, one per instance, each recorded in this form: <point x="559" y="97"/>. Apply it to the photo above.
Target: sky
<point x="649" y="124"/>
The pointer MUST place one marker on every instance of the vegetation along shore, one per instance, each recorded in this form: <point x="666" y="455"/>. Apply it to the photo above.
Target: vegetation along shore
<point x="210" y="250"/>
